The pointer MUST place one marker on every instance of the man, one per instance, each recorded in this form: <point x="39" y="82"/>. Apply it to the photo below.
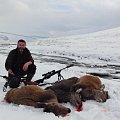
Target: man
<point x="19" y="63"/>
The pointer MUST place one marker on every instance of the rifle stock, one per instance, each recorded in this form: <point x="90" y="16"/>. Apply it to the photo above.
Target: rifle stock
<point x="39" y="81"/>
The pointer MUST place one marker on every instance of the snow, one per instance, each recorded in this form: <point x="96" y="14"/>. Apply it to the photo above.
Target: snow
<point x="96" y="52"/>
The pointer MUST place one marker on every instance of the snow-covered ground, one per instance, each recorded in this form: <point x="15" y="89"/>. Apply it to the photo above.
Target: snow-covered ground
<point x="92" y="53"/>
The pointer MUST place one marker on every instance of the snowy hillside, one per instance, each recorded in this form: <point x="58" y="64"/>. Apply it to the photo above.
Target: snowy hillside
<point x="96" y="53"/>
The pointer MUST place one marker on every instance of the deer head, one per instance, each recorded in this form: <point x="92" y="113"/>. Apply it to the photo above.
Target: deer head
<point x="94" y="94"/>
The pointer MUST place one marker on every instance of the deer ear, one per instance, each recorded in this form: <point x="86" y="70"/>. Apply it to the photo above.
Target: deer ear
<point x="102" y="87"/>
<point x="78" y="90"/>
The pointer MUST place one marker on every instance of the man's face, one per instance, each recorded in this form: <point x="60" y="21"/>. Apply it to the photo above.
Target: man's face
<point x="21" y="46"/>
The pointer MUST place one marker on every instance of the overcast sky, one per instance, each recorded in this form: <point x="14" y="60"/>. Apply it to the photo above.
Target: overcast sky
<point x="58" y="17"/>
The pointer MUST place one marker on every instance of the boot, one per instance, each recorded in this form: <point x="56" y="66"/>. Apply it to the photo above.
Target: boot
<point x="14" y="82"/>
<point x="28" y="79"/>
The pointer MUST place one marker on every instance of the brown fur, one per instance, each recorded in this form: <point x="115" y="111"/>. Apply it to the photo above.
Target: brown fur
<point x="33" y="95"/>
<point x="63" y="92"/>
<point x="75" y="90"/>
<point x="87" y="81"/>
<point x="90" y="81"/>
<point x="92" y="88"/>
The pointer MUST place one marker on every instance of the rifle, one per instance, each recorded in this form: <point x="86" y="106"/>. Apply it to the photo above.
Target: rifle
<point x="51" y="73"/>
<point x="8" y="80"/>
<point x="45" y="76"/>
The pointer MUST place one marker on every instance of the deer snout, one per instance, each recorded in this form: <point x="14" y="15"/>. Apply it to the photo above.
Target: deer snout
<point x="76" y="100"/>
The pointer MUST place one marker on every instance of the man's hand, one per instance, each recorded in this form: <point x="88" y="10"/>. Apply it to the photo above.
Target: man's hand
<point x="25" y="66"/>
<point x="10" y="72"/>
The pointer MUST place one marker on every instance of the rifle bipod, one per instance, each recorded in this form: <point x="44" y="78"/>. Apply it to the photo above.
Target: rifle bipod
<point x="60" y="76"/>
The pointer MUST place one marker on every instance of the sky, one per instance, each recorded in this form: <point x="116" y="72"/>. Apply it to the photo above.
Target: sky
<point x="57" y="17"/>
<point x="90" y="53"/>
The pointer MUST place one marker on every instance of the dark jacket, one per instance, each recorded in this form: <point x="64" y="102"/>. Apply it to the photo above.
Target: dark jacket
<point x="16" y="60"/>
